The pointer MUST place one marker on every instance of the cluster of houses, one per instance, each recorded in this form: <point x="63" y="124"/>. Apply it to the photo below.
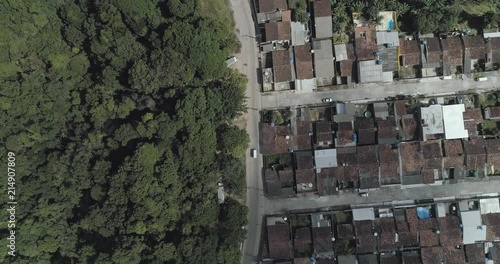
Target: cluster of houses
<point x="303" y="56"/>
<point x="442" y="232"/>
<point x="364" y="147"/>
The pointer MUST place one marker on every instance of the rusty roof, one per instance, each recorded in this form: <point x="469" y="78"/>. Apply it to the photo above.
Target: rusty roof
<point x="272" y="5"/>
<point x="452" y="51"/>
<point x="303" y="61"/>
<point x="365" y="42"/>
<point x="473" y="114"/>
<point x="474" y="47"/>
<point x="322" y="8"/>
<point x="278" y="31"/>
<point x="280" y="245"/>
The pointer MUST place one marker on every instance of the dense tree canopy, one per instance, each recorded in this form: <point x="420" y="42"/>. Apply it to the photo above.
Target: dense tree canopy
<point x="112" y="109"/>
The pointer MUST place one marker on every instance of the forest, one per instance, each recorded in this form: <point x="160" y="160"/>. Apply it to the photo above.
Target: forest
<point x="424" y="16"/>
<point x="119" y="114"/>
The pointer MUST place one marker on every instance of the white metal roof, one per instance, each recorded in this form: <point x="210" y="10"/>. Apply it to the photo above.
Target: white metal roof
<point x="340" y="52"/>
<point x="432" y="117"/>
<point x="299" y="33"/>
<point x="370" y="71"/>
<point x="454" y="121"/>
<point x="474" y="230"/>
<point x="363" y="214"/>
<point x="324" y="27"/>
<point x="325" y="158"/>
<point x="489" y="206"/>
<point x="305" y="85"/>
<point x="384" y="37"/>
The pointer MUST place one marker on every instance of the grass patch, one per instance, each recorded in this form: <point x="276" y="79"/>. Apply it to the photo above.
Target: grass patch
<point x="489" y="125"/>
<point x="488" y="99"/>
<point x="275" y="159"/>
<point x="221" y="10"/>
<point x="300" y="220"/>
<point x="341" y="217"/>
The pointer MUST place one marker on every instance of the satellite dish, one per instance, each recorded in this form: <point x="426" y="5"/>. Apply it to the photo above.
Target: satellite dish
<point x="310" y="185"/>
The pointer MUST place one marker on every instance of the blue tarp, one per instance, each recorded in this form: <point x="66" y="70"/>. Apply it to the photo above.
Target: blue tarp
<point x="423" y="212"/>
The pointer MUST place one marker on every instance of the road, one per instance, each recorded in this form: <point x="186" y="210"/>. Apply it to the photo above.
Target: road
<point x="378" y="91"/>
<point x="385" y="195"/>
<point x="248" y="64"/>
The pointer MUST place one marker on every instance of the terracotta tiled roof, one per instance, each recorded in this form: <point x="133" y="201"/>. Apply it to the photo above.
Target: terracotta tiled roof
<point x="367" y="136"/>
<point x="400" y="107"/>
<point x="323" y="127"/>
<point x="451" y="237"/>
<point x="304" y="161"/>
<point x="322" y="239"/>
<point x="281" y="57"/>
<point x="343" y="126"/>
<point x="303" y="142"/>
<point x="428" y="238"/>
<point x="272" y="5"/>
<point x="365" y="43"/>
<point x="302" y="239"/>
<point x="304" y="176"/>
<point x="278" y="31"/>
<point x="408" y="239"/>
<point x="364" y="123"/>
<point x="346" y="67"/>
<point x="282" y="73"/>
<point x="280" y="246"/>
<point x="428" y="176"/>
<point x="286" y="175"/>
<point x="493" y="151"/>
<point x="454" y="153"/>
<point x="473" y="114"/>
<point x="411" y="157"/>
<point x="367" y="154"/>
<point x="273" y="139"/>
<point x="494" y="112"/>
<point x="410" y="49"/>
<point x="303" y="61"/>
<point x="475" y="253"/>
<point x="322" y="8"/>
<point x="453" y="51"/>
<point x="475" y="146"/>
<point x="409" y="127"/>
<point x="433" y="50"/>
<point x="345" y="231"/>
<point x="491" y="219"/>
<point x="387" y="153"/>
<point x="344" y="137"/>
<point x="474" y="47"/>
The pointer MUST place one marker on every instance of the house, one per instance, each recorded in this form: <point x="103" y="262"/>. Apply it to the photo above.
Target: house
<point x="430" y="56"/>
<point x="345" y="57"/>
<point x="275" y="139"/>
<point x="493" y="154"/>
<point x="439" y="120"/>
<point x="300" y="33"/>
<point x="454" y="159"/>
<point x="266" y="6"/>
<point x="492" y="113"/>
<point x="473" y="228"/>
<point x="453" y="55"/>
<point x="409" y="57"/>
<point x="474" y="52"/>
<point x="389" y="164"/>
<point x="387" y="131"/>
<point x="366" y="131"/>
<point x="303" y="61"/>
<point x="387" y="52"/>
<point x="493" y="47"/>
<point x="325" y="158"/>
<point x="322" y="236"/>
<point x="365" y="43"/>
<point x="323" y="28"/>
<point x="282" y="68"/>
<point x="280" y="244"/>
<point x="274" y="185"/>
<point x="326" y="182"/>
<point x="472" y="118"/>
<point x="302" y="240"/>
<point x="370" y="71"/>
<point x="278" y="31"/>
<point x="368" y="163"/>
<point x="475" y="150"/>
<point x="324" y="67"/>
<point x="450" y="233"/>
<point x="323" y="132"/>
<point x="365" y="236"/>
<point x="388" y="240"/>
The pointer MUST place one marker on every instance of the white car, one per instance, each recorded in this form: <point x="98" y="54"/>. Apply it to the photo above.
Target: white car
<point x="327" y="100"/>
<point x="253" y="153"/>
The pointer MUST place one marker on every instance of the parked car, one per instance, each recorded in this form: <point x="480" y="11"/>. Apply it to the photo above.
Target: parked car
<point x="364" y="194"/>
<point x="253" y="153"/>
<point x="327" y="100"/>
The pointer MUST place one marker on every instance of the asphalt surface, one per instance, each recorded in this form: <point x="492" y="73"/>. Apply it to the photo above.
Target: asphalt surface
<point x="385" y="195"/>
<point x="378" y="91"/>
<point x="248" y="64"/>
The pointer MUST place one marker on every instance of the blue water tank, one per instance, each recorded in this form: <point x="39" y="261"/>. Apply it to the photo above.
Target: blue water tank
<point x="380" y="62"/>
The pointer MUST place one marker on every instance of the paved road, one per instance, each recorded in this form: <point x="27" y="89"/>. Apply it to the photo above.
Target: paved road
<point x="378" y="91"/>
<point x="384" y="195"/>
<point x="248" y="64"/>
